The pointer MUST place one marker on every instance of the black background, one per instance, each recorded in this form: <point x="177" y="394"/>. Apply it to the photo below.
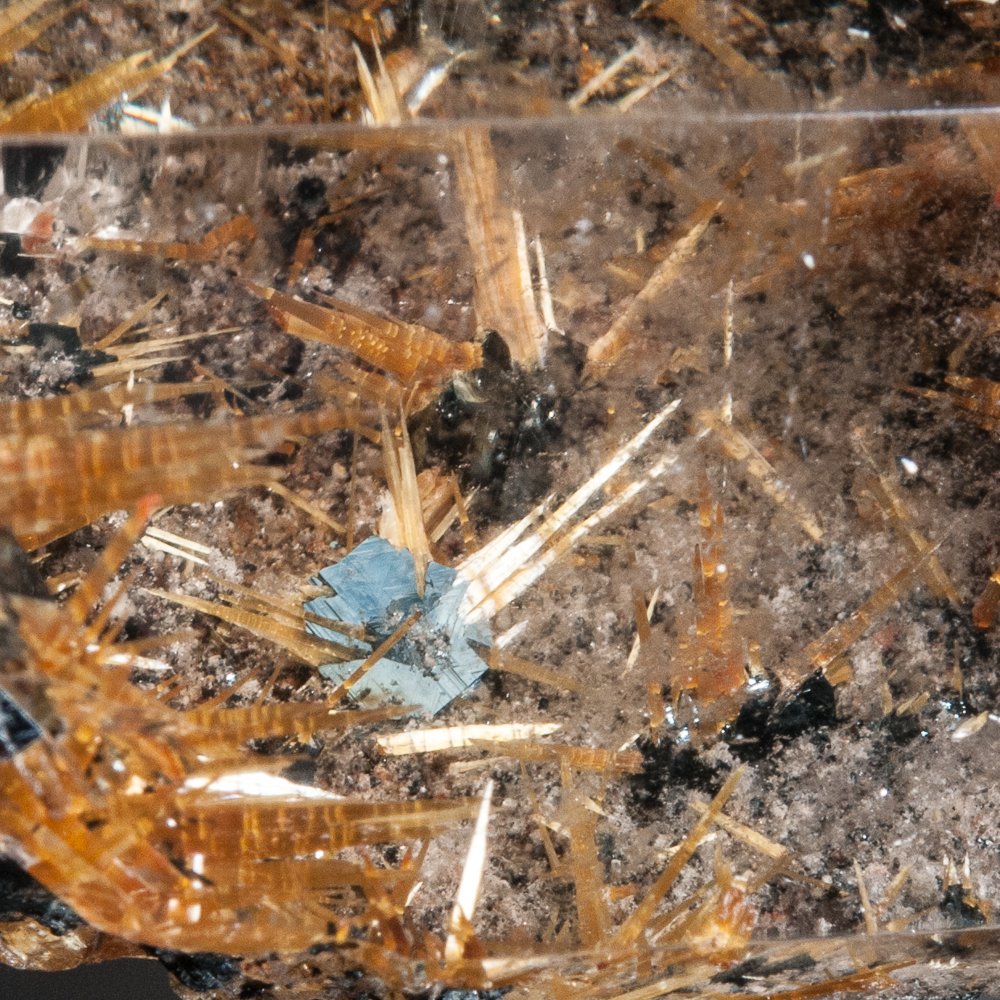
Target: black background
<point x="122" y="979"/>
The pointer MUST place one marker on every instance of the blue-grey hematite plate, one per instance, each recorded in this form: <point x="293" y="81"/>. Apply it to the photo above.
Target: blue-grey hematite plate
<point x="376" y="586"/>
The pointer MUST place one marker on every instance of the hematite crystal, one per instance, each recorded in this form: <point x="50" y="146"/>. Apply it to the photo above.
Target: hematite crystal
<point x="432" y="664"/>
